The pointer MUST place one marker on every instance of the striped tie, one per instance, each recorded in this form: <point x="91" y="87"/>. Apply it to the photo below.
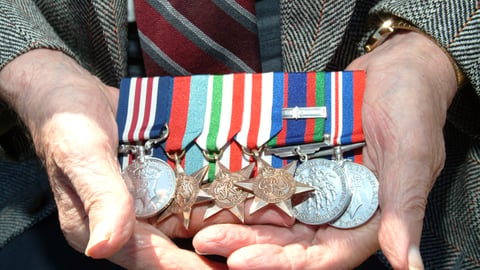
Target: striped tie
<point x="181" y="37"/>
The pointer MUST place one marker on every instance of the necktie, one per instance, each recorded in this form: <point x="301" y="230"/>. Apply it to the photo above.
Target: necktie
<point x="181" y="37"/>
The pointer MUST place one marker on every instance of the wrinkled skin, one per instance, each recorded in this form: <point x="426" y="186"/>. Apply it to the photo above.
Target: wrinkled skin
<point x="410" y="84"/>
<point x="71" y="116"/>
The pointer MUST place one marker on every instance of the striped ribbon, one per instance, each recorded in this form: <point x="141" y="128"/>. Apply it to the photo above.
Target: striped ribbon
<point x="213" y="109"/>
<point x="226" y="42"/>
<point x="262" y="112"/>
<point x="189" y="100"/>
<point x="301" y="90"/>
<point x="223" y="114"/>
<point x="344" y="97"/>
<point x="143" y="110"/>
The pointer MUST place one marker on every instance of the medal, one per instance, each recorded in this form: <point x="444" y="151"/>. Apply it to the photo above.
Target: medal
<point x="143" y="109"/>
<point x="223" y="121"/>
<point x="364" y="203"/>
<point x="187" y="195"/>
<point x="150" y="180"/>
<point x="248" y="108"/>
<point x="363" y="186"/>
<point x="262" y="121"/>
<point x="151" y="183"/>
<point x="341" y="93"/>
<point x="226" y="195"/>
<point x="141" y="117"/>
<point x="223" y="117"/>
<point x="331" y="196"/>
<point x="274" y="186"/>
<point x="188" y="99"/>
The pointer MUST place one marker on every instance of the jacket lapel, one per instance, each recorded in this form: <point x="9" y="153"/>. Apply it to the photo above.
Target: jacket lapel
<point x="311" y="32"/>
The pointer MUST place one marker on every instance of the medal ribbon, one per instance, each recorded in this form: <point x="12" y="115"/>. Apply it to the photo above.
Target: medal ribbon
<point x="340" y="92"/>
<point x="142" y="111"/>
<point x="343" y="98"/>
<point x="223" y="114"/>
<point x="216" y="108"/>
<point x="301" y="90"/>
<point x="189" y="100"/>
<point x="262" y="112"/>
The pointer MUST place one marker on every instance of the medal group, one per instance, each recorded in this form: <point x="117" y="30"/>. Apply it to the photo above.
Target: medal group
<point x="223" y="139"/>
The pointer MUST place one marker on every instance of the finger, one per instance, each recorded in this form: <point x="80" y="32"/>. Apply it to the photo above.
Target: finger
<point x="173" y="226"/>
<point x="223" y="239"/>
<point x="299" y="247"/>
<point x="86" y="169"/>
<point x="404" y="188"/>
<point x="402" y="221"/>
<point x="295" y="256"/>
<point x="99" y="220"/>
<point x="149" y="249"/>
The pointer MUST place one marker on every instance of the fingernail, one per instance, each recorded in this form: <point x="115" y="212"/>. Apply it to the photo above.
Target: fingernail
<point x="414" y="259"/>
<point x="101" y="234"/>
<point x="202" y="254"/>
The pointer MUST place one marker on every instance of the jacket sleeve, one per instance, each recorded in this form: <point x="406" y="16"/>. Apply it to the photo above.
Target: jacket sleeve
<point x="455" y="24"/>
<point x="91" y="32"/>
<point x="22" y="28"/>
<point x="94" y="33"/>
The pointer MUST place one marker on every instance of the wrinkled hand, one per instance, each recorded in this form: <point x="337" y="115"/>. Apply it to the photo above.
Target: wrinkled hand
<point x="71" y="116"/>
<point x="410" y="84"/>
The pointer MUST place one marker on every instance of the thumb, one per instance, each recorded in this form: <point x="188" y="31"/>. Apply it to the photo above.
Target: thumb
<point x="109" y="207"/>
<point x="95" y="207"/>
<point x="403" y="201"/>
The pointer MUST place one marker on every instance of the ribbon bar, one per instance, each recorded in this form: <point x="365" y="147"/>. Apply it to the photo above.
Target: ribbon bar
<point x="304" y="112"/>
<point x="281" y="109"/>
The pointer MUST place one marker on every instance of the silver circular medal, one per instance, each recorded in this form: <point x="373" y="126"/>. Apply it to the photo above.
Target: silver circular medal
<point x="151" y="182"/>
<point x="364" y="187"/>
<point x="331" y="195"/>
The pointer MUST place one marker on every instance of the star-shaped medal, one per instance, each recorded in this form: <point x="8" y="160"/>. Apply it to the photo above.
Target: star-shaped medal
<point x="226" y="194"/>
<point x="188" y="194"/>
<point x="274" y="186"/>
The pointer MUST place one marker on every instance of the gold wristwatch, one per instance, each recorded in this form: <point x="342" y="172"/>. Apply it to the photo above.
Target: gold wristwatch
<point x="391" y="25"/>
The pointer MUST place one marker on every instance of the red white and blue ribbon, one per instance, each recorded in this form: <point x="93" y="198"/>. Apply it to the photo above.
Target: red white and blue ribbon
<point x="143" y="110"/>
<point x="262" y="112"/>
<point x="343" y="98"/>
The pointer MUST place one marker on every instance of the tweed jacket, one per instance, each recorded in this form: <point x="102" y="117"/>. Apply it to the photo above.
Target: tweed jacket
<point x="316" y="35"/>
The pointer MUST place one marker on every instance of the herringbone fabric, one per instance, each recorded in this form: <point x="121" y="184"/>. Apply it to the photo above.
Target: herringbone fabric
<point x="316" y="35"/>
<point x="204" y="36"/>
<point x="25" y="196"/>
<point x="309" y="35"/>
<point x="457" y="33"/>
<point x="93" y="32"/>
<point x="451" y="230"/>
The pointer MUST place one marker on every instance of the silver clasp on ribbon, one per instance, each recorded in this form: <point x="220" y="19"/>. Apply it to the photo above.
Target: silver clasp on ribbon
<point x="304" y="112"/>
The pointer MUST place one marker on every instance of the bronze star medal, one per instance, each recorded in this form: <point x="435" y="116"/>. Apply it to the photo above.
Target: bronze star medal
<point x="274" y="186"/>
<point x="187" y="195"/>
<point x="226" y="194"/>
